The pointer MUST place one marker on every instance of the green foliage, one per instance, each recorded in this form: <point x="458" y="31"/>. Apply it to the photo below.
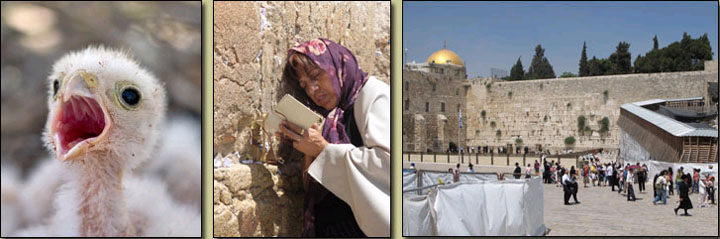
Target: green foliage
<point x="540" y="67"/>
<point x="604" y="125"/>
<point x="583" y="71"/>
<point x="483" y="113"/>
<point x="498" y="133"/>
<point x="545" y="119"/>
<point x="594" y="67"/>
<point x="567" y="75"/>
<point x="570" y="140"/>
<point x="492" y="124"/>
<point x="510" y="94"/>
<point x="655" y="43"/>
<point x="617" y="63"/>
<point x="686" y="55"/>
<point x="518" y="141"/>
<point x="581" y="122"/>
<point x="587" y="129"/>
<point x="516" y="72"/>
<point x="621" y="59"/>
<point x="477" y="132"/>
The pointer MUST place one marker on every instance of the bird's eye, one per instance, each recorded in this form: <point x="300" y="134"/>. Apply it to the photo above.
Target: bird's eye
<point x="131" y="96"/>
<point x="56" y="87"/>
<point x="128" y="95"/>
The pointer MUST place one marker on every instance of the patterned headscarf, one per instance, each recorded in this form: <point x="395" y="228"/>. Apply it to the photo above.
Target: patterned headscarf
<point x="347" y="79"/>
<point x="346" y="76"/>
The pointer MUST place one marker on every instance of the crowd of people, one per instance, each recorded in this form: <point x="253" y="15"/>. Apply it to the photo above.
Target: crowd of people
<point x="625" y="177"/>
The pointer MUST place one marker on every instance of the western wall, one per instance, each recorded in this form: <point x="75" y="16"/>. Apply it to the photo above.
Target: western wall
<point x="251" y="40"/>
<point x="545" y="112"/>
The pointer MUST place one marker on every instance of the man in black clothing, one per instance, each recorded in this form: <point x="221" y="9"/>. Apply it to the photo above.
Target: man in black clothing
<point x="546" y="173"/>
<point x="565" y="181"/>
<point x="685" y="202"/>
<point x="518" y="172"/>
<point x="614" y="178"/>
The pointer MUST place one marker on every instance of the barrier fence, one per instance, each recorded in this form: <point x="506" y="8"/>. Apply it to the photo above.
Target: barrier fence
<point x="487" y="159"/>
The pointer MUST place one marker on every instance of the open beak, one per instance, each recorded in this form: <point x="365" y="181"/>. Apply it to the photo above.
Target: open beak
<point x="81" y="119"/>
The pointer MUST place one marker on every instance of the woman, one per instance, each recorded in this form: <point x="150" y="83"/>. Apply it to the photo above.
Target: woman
<point x="684" y="189"/>
<point x="347" y="160"/>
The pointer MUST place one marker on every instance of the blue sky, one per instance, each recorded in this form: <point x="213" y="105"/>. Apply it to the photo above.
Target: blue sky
<point x="495" y="34"/>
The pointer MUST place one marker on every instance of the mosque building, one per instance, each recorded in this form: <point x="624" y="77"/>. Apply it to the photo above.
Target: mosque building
<point x="433" y="100"/>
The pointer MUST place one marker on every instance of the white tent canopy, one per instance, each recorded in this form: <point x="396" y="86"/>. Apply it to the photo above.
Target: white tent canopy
<point x="479" y="205"/>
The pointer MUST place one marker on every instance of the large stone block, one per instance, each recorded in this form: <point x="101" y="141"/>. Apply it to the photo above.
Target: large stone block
<point x="251" y="42"/>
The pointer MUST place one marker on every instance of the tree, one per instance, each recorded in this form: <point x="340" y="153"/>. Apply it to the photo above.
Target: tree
<point x="567" y="75"/>
<point x="621" y="59"/>
<point x="583" y="71"/>
<point x="655" y="43"/>
<point x="594" y="67"/>
<point x="540" y="67"/>
<point x="688" y="54"/>
<point x="517" y="72"/>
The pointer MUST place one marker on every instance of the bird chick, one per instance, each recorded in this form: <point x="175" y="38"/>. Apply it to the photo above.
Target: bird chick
<point x="105" y="114"/>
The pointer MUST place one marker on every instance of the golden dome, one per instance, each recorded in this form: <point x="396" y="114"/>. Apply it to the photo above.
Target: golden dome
<point x="445" y="56"/>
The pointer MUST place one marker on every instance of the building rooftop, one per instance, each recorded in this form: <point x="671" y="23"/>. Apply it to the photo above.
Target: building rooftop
<point x="672" y="126"/>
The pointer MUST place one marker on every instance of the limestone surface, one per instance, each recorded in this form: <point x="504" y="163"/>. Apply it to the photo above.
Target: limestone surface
<point x="251" y="41"/>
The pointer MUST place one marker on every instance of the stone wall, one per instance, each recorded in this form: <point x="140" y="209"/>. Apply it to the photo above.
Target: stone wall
<point x="256" y="201"/>
<point x="545" y="112"/>
<point x="435" y="128"/>
<point x="251" y="40"/>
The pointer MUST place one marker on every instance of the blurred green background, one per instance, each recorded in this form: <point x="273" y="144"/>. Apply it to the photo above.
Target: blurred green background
<point x="164" y="37"/>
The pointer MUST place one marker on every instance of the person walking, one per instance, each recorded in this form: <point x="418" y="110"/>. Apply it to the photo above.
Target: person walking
<point x="684" y="190"/>
<point x="585" y="174"/>
<point x="546" y="173"/>
<point x="642" y="177"/>
<point x="629" y="182"/>
<point x="657" y="175"/>
<point x="696" y="181"/>
<point x="669" y="176"/>
<point x="710" y="190"/>
<point x="611" y="176"/>
<point x="537" y="168"/>
<point x="601" y="174"/>
<point x="566" y="181"/>
<point x="659" y="184"/>
<point x="574" y="188"/>
<point x="678" y="178"/>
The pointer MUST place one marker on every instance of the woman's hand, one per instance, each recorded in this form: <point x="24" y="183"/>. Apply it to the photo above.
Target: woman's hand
<point x="310" y="142"/>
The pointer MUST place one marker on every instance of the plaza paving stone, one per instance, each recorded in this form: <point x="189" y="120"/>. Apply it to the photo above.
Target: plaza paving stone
<point x="605" y="213"/>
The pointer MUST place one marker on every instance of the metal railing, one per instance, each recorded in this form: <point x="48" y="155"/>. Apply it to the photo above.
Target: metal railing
<point x="462" y="157"/>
